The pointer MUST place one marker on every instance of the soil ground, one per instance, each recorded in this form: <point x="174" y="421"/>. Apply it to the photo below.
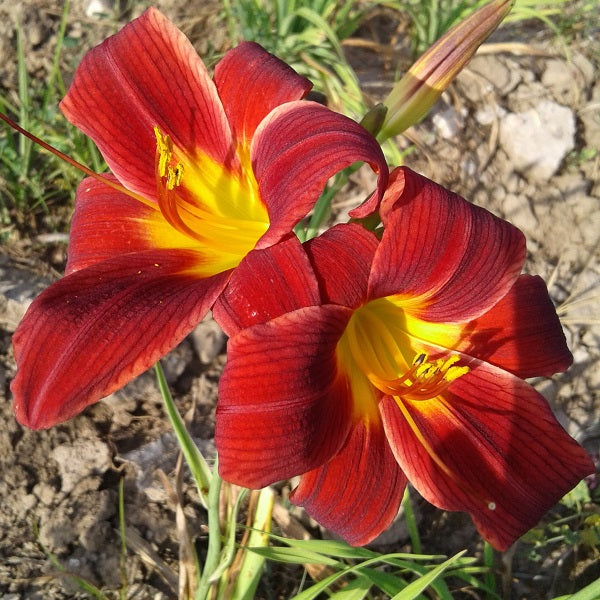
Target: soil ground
<point x="59" y="488"/>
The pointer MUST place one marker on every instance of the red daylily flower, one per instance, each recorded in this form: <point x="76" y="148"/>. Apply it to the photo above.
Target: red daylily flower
<point x="203" y="172"/>
<point x="371" y="363"/>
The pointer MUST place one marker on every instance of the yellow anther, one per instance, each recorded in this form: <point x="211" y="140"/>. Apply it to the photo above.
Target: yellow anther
<point x="440" y="369"/>
<point x="424" y="380"/>
<point x="165" y="166"/>
<point x="164" y="148"/>
<point x="455" y="372"/>
<point x="174" y="175"/>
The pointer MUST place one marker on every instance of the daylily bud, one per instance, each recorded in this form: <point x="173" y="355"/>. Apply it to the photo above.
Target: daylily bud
<point x="414" y="95"/>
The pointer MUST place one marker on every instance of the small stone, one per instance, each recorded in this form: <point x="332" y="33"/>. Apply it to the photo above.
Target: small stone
<point x="176" y="361"/>
<point x="538" y="139"/>
<point x="44" y="492"/>
<point x="99" y="8"/>
<point x="35" y="34"/>
<point x="562" y="79"/>
<point x="512" y="183"/>
<point x="584" y="67"/>
<point x="498" y="193"/>
<point x="590" y="117"/>
<point x="488" y="114"/>
<point x="448" y="122"/>
<point x="469" y="168"/>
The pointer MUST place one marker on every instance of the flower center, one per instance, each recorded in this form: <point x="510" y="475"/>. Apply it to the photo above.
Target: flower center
<point x="379" y="345"/>
<point x="216" y="206"/>
<point x="379" y="352"/>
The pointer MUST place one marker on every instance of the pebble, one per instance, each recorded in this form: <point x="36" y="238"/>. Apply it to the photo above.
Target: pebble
<point x="448" y="122"/>
<point x="561" y="78"/>
<point x="537" y="140"/>
<point x="99" y="8"/>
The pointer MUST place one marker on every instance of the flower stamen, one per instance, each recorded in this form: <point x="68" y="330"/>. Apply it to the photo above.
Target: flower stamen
<point x="424" y="380"/>
<point x="169" y="175"/>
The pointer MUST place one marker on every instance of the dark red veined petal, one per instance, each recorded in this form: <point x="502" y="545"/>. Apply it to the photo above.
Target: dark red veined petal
<point x="458" y="258"/>
<point x="521" y="334"/>
<point x="358" y="492"/>
<point x="283" y="407"/>
<point x="265" y="285"/>
<point x="107" y="223"/>
<point x="147" y="75"/>
<point x="251" y="82"/>
<point x="341" y="258"/>
<point x="94" y="330"/>
<point x="490" y="446"/>
<point x="296" y="149"/>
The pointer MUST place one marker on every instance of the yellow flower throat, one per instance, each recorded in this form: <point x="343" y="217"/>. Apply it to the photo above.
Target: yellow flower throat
<point x="216" y="207"/>
<point x="379" y="352"/>
<point x="380" y="349"/>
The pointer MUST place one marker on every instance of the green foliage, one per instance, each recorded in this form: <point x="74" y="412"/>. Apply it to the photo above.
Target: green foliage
<point x="31" y="178"/>
<point x="580" y="526"/>
<point x="307" y="34"/>
<point x="355" y="572"/>
<point x="432" y="18"/>
<point x="589" y="592"/>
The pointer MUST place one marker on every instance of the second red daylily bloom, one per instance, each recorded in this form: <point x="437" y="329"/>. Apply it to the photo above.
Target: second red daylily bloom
<point x="204" y="170"/>
<point x="371" y="363"/>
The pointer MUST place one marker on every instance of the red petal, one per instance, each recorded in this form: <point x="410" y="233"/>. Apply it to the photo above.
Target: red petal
<point x="491" y="446"/>
<point x="265" y="285"/>
<point x="522" y="333"/>
<point x="296" y="149"/>
<point x="283" y="408"/>
<point x="341" y="258"/>
<point x="251" y="83"/>
<point x="356" y="494"/>
<point x="147" y="74"/>
<point x="94" y="330"/>
<point x="107" y="223"/>
<point x="459" y="258"/>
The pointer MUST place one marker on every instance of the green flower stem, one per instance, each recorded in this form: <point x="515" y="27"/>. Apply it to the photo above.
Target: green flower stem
<point x="196" y="462"/>
<point x="214" y="536"/>
<point x="253" y="563"/>
<point x="229" y="547"/>
<point x="411" y="524"/>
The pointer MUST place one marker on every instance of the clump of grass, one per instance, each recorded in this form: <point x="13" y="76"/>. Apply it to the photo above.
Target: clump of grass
<point x="307" y="34"/>
<point x="430" y="19"/>
<point x="32" y="179"/>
